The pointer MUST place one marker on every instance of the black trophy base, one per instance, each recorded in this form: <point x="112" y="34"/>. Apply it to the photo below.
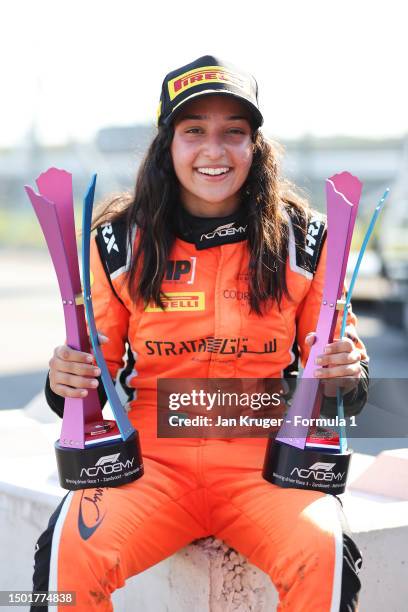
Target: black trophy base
<point x="109" y="465"/>
<point x="311" y="470"/>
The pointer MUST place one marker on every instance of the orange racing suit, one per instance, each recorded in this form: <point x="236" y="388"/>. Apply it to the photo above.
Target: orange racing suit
<point x="196" y="487"/>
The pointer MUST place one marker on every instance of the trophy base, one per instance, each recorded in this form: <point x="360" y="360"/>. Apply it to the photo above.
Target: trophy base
<point x="312" y="470"/>
<point x="108" y="465"/>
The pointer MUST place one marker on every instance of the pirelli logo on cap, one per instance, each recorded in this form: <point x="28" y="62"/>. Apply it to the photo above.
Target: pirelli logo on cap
<point x="208" y="74"/>
<point x="180" y="301"/>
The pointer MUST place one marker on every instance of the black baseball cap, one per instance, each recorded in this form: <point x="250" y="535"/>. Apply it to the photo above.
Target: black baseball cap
<point x="207" y="75"/>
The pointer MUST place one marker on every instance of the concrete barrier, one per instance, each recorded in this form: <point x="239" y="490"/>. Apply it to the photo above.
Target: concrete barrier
<point x="205" y="576"/>
<point x="387" y="475"/>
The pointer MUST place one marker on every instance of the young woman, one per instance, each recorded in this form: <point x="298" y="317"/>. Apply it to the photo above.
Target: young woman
<point x="203" y="273"/>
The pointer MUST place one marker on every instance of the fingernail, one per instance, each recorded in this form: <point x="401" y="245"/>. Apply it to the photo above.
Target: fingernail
<point x="327" y="349"/>
<point x="84" y="393"/>
<point x="318" y="361"/>
<point x="97" y="371"/>
<point x="318" y="373"/>
<point x="89" y="358"/>
<point x="94" y="383"/>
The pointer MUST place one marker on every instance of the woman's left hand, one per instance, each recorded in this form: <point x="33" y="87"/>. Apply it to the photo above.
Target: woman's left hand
<point x="341" y="359"/>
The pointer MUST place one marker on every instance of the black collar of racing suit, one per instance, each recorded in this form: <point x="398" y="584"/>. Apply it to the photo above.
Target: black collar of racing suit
<point x="206" y="232"/>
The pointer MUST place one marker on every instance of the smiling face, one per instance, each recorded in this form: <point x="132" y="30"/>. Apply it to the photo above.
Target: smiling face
<point x="212" y="153"/>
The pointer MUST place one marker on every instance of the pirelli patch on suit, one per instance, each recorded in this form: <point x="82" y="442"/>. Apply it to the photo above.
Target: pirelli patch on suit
<point x="180" y="301"/>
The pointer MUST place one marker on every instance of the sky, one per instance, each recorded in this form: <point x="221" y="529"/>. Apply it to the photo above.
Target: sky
<point x="323" y="67"/>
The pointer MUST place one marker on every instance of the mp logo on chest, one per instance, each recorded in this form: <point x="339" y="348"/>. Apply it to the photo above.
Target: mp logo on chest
<point x="181" y="270"/>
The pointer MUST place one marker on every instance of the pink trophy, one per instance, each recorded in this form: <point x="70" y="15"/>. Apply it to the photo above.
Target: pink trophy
<point x="91" y="451"/>
<point x="291" y="461"/>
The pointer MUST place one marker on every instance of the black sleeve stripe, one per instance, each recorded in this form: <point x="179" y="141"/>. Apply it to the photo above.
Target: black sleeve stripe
<point x="42" y="556"/>
<point x="112" y="245"/>
<point x="319" y="252"/>
<point x="56" y="402"/>
<point x="354" y="400"/>
<point x="309" y="237"/>
<point x="102" y="253"/>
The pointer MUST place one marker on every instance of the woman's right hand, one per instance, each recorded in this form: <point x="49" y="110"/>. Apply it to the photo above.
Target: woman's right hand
<point x="72" y="372"/>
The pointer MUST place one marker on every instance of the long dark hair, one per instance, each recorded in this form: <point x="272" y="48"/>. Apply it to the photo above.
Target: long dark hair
<point x="265" y="195"/>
